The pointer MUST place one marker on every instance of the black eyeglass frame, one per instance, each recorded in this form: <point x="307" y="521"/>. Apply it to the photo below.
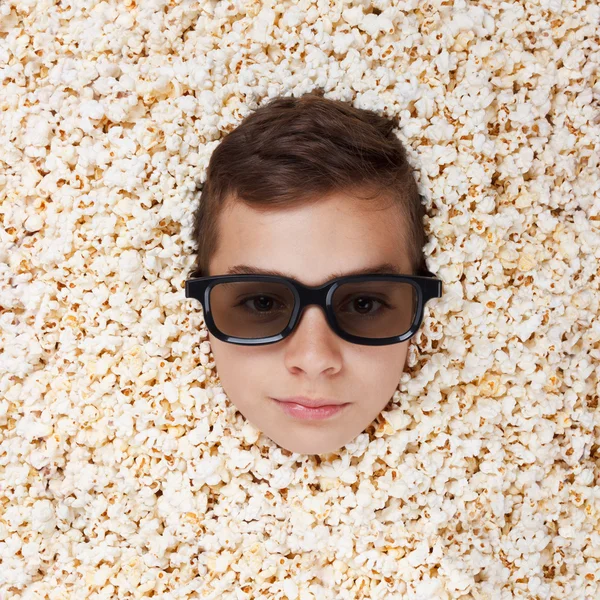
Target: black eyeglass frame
<point x="427" y="288"/>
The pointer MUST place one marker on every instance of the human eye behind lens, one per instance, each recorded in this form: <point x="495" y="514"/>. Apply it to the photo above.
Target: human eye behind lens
<point x="385" y="306"/>
<point x="261" y="304"/>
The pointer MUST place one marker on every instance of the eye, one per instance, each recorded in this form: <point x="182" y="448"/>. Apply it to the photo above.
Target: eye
<point x="260" y="304"/>
<point x="363" y="304"/>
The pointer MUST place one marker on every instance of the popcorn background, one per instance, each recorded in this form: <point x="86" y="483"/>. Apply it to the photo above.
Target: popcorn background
<point x="125" y="472"/>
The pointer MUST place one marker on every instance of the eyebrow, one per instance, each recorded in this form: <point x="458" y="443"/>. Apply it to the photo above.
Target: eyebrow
<point x="381" y="269"/>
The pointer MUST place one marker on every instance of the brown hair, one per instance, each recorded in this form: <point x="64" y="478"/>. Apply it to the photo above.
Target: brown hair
<point x="292" y="151"/>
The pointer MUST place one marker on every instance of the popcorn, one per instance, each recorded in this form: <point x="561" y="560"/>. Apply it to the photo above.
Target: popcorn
<point x="122" y="451"/>
<point x="43" y="517"/>
<point x="30" y="428"/>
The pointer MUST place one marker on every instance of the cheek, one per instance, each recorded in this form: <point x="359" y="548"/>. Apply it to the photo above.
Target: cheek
<point x="383" y="370"/>
<point x="236" y="366"/>
<point x="225" y="355"/>
<point x="383" y="359"/>
<point x="228" y="368"/>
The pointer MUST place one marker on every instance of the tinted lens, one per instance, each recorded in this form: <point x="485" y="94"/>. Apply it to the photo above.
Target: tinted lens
<point x="258" y="309"/>
<point x="251" y="309"/>
<point x="375" y="309"/>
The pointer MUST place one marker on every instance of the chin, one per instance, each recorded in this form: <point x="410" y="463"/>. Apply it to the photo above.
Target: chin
<point x="311" y="448"/>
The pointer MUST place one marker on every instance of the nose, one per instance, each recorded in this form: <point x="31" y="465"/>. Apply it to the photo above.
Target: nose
<point x="313" y="346"/>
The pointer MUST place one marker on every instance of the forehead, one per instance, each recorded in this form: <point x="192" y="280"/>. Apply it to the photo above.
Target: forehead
<point x="312" y="243"/>
<point x="381" y="268"/>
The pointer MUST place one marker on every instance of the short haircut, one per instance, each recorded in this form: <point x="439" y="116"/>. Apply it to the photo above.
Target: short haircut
<point x="295" y="150"/>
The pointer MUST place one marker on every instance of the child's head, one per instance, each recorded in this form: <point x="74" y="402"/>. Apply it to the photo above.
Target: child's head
<point x="313" y="189"/>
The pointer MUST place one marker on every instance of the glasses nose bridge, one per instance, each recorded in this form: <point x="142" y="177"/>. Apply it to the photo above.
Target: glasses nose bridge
<point x="312" y="296"/>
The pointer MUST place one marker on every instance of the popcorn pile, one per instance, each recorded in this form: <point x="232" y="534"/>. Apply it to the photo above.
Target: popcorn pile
<point x="125" y="472"/>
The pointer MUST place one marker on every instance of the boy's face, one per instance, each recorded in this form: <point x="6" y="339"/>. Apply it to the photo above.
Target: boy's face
<point x="309" y="243"/>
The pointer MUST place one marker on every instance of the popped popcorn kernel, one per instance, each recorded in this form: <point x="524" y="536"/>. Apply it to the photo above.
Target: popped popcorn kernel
<point x="124" y="470"/>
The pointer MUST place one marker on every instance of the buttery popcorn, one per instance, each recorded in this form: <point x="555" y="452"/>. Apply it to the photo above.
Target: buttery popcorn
<point x="124" y="469"/>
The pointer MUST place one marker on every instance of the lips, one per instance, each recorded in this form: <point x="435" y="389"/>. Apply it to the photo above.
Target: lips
<point x="310" y="402"/>
<point x="300" y="412"/>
